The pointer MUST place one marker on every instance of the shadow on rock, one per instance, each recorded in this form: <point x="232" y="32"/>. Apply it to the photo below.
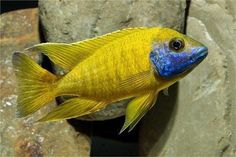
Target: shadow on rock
<point x="158" y="123"/>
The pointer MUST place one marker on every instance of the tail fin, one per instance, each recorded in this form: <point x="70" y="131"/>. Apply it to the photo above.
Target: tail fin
<point x="35" y="84"/>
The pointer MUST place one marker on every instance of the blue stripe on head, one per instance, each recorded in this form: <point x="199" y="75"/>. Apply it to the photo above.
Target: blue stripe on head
<point x="169" y="63"/>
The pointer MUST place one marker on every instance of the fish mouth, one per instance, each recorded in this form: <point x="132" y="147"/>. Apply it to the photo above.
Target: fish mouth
<point x="200" y="55"/>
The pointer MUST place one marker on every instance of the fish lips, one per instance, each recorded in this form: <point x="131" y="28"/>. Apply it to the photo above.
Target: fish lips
<point x="199" y="55"/>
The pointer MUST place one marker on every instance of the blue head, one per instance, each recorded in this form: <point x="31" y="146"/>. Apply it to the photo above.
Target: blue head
<point x="176" y="56"/>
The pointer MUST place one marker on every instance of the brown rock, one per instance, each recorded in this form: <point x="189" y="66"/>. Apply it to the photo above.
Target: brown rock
<point x="27" y="148"/>
<point x="20" y="136"/>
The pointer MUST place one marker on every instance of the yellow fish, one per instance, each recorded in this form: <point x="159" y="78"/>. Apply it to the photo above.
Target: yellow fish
<point x="130" y="63"/>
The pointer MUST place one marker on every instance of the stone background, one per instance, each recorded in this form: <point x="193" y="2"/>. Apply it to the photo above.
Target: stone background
<point x="198" y="118"/>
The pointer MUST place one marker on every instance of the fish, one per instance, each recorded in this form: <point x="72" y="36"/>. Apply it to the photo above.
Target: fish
<point x="134" y="63"/>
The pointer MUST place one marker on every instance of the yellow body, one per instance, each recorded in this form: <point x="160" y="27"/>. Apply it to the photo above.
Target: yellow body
<point x="100" y="70"/>
<point x="101" y="75"/>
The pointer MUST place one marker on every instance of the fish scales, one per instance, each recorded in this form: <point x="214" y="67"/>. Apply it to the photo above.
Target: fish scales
<point x="100" y="75"/>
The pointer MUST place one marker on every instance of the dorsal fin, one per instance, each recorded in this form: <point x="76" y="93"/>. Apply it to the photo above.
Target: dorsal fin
<point x="69" y="55"/>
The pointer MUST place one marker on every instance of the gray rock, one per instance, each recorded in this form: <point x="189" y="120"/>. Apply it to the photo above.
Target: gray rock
<point x="22" y="137"/>
<point x="74" y="20"/>
<point x="202" y="120"/>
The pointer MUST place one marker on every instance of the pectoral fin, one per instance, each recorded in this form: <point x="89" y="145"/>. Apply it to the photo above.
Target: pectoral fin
<point x="137" y="108"/>
<point x="73" y="108"/>
<point x="136" y="81"/>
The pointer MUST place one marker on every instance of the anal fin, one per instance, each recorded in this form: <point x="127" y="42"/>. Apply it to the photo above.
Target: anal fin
<point x="73" y="108"/>
<point x="137" y="108"/>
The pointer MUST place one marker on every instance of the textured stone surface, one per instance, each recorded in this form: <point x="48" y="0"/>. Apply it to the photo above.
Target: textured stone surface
<point x="20" y="136"/>
<point x="202" y="121"/>
<point x="74" y="20"/>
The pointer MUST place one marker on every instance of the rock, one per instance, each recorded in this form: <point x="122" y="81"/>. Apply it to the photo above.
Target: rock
<point x="202" y="120"/>
<point x="20" y="136"/>
<point x="74" y="20"/>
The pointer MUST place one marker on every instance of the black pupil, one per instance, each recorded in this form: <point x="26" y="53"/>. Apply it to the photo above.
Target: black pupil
<point x="177" y="44"/>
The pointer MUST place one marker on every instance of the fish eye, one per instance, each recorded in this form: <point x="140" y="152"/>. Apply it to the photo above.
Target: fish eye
<point x="176" y="44"/>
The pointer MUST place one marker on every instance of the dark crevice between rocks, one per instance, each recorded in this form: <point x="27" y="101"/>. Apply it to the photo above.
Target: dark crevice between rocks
<point x="106" y="140"/>
<point x="46" y="63"/>
<point x="7" y="5"/>
<point x="188" y="3"/>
